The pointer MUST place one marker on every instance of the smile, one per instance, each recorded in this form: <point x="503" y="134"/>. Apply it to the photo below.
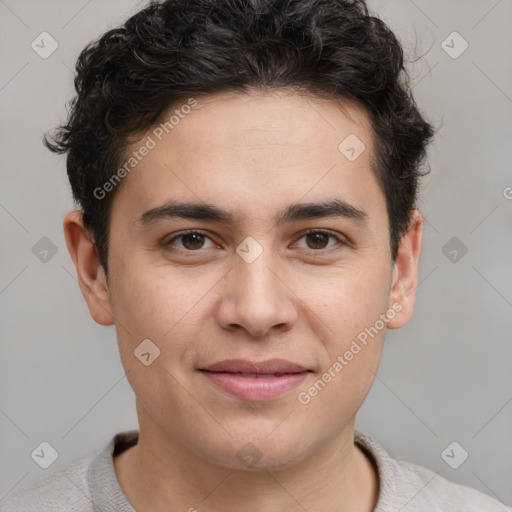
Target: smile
<point x="254" y="386"/>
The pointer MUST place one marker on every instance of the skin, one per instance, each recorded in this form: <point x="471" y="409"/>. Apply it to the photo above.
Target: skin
<point x="253" y="154"/>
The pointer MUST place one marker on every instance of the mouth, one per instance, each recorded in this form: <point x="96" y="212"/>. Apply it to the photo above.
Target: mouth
<point x="256" y="375"/>
<point x="255" y="381"/>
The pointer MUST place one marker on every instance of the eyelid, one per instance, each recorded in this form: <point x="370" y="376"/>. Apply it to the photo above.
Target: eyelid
<point x="206" y="235"/>
<point x="187" y="232"/>
<point x="326" y="232"/>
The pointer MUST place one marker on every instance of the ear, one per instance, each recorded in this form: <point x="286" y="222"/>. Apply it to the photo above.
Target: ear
<point x="405" y="273"/>
<point x="90" y="273"/>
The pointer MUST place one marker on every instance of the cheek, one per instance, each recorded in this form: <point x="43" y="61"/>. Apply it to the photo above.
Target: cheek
<point x="352" y="350"/>
<point x="350" y="299"/>
<point x="164" y="310"/>
<point x="351" y="307"/>
<point x="170" y="310"/>
<point x="153" y="302"/>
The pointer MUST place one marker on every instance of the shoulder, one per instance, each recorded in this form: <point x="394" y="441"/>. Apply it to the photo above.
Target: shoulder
<point x="410" y="487"/>
<point x="427" y="490"/>
<point x="66" y="489"/>
<point x="85" y="485"/>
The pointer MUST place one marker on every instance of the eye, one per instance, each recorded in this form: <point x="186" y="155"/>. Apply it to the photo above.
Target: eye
<point x="191" y="240"/>
<point x="194" y="240"/>
<point x="318" y="240"/>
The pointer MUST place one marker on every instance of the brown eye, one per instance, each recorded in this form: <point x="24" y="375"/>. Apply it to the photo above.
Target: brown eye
<point x="317" y="240"/>
<point x="193" y="241"/>
<point x="190" y="241"/>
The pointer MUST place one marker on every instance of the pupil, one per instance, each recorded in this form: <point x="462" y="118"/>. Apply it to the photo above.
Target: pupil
<point x="318" y="238"/>
<point x="195" y="244"/>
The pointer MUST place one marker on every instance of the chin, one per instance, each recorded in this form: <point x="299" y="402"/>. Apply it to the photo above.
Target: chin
<point x="259" y="453"/>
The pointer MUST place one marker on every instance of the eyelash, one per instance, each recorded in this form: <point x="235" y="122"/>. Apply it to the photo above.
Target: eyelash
<point x="168" y="243"/>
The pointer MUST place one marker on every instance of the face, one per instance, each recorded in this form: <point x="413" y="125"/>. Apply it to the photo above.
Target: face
<point x="256" y="279"/>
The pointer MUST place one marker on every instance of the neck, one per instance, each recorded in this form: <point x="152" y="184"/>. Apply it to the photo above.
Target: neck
<point x="160" y="474"/>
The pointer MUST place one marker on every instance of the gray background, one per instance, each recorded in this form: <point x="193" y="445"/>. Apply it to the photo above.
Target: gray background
<point x="444" y="377"/>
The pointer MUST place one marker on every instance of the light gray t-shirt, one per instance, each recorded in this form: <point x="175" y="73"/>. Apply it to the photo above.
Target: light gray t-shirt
<point x="91" y="485"/>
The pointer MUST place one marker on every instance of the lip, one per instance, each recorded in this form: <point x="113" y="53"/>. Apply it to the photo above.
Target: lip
<point x="270" y="366"/>
<point x="256" y="381"/>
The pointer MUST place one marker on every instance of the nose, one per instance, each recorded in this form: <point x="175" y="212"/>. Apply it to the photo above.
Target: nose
<point x="256" y="297"/>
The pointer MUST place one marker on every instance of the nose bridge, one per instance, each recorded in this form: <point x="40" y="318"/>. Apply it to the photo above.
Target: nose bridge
<point x="259" y="282"/>
<point x="255" y="298"/>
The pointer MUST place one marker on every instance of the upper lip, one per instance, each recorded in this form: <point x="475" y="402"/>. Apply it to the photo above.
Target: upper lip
<point x="270" y="366"/>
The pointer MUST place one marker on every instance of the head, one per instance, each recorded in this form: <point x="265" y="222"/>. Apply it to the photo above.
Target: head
<point x="291" y="127"/>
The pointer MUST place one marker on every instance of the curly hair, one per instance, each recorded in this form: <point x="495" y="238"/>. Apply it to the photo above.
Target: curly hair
<point x="175" y="49"/>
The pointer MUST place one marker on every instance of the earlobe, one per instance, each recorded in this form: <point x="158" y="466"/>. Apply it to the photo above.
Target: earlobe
<point x="90" y="274"/>
<point x="405" y="273"/>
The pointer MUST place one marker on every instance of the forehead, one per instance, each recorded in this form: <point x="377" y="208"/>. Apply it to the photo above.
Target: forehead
<point x="254" y="149"/>
<point x="231" y="121"/>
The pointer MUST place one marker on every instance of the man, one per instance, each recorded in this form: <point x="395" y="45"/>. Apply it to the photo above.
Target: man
<point x="246" y="173"/>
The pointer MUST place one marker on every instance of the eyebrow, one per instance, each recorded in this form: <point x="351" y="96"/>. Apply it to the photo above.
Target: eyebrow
<point x="293" y="212"/>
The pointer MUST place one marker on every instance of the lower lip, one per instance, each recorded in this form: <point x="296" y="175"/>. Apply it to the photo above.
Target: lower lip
<point x="255" y="388"/>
